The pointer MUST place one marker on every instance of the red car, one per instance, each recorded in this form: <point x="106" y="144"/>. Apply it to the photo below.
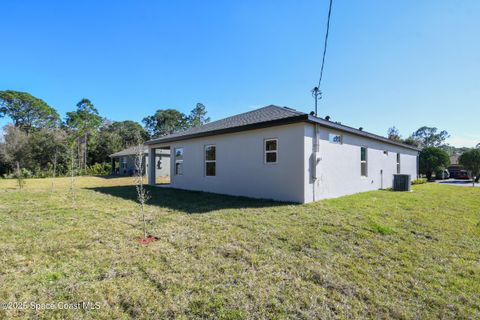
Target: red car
<point x="463" y="174"/>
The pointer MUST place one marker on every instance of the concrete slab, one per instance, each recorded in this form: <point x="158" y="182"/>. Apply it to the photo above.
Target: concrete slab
<point x="460" y="183"/>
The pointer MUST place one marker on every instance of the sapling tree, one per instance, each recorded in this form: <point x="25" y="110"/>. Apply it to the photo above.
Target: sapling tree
<point x="54" y="171"/>
<point x="72" y="170"/>
<point x="19" y="176"/>
<point x="142" y="193"/>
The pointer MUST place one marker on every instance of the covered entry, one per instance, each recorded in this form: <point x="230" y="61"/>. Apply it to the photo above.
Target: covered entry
<point x="161" y="163"/>
<point x="123" y="163"/>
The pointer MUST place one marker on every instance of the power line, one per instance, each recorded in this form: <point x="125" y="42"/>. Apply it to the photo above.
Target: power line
<point x="325" y="44"/>
<point x="316" y="93"/>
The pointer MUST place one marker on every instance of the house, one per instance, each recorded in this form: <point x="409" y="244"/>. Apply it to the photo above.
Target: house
<point x="123" y="162"/>
<point x="455" y="169"/>
<point x="282" y="154"/>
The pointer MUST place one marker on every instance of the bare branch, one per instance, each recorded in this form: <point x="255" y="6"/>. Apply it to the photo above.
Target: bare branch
<point x="142" y="194"/>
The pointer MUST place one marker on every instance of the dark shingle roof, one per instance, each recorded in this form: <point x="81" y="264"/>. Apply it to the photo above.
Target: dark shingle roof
<point x="132" y="151"/>
<point x="261" y="118"/>
<point x="127" y="152"/>
<point x="263" y="115"/>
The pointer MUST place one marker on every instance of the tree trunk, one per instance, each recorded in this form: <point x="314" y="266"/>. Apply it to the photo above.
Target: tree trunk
<point x="86" y="146"/>
<point x="55" y="164"/>
<point x="19" y="176"/>
<point x="429" y="175"/>
<point x="144" y="223"/>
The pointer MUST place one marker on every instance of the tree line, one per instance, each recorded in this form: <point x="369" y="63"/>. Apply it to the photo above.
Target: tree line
<point x="435" y="153"/>
<point x="39" y="143"/>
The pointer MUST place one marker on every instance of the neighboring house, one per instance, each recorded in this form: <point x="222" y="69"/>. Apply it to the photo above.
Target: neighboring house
<point x="123" y="162"/>
<point x="283" y="154"/>
<point x="455" y="169"/>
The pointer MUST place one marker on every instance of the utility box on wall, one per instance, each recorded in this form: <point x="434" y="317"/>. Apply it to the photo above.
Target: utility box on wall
<point x="401" y="182"/>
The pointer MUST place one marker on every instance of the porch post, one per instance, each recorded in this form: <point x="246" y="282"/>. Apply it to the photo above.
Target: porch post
<point x="113" y="165"/>
<point x="151" y="166"/>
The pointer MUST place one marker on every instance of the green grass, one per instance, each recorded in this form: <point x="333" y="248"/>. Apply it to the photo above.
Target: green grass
<point x="379" y="254"/>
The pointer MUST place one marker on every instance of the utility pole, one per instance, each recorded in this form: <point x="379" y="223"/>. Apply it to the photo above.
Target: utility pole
<point x="317" y="95"/>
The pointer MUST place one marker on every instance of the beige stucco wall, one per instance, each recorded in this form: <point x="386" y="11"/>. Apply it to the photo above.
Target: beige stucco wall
<point x="338" y="171"/>
<point x="164" y="170"/>
<point x="241" y="169"/>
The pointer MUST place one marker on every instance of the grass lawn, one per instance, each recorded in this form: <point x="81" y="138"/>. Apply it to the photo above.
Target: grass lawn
<point x="377" y="254"/>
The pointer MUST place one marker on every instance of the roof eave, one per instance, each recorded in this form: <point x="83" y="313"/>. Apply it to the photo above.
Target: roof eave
<point x="114" y="155"/>
<point x="358" y="132"/>
<point x="289" y="120"/>
<point x="253" y="126"/>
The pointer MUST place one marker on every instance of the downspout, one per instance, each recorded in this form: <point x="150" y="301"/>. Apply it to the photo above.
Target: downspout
<point x="381" y="179"/>
<point x="418" y="165"/>
<point x="315" y="151"/>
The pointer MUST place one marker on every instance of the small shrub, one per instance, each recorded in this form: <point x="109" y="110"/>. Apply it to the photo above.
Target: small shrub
<point x="27" y="173"/>
<point x="419" y="181"/>
<point x="98" y="169"/>
<point x="53" y="276"/>
<point x="375" y="227"/>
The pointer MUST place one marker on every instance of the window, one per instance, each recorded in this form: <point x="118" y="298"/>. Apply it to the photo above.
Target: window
<point x="210" y="160"/>
<point x="335" y="138"/>
<point x="363" y="162"/>
<point x="271" y="151"/>
<point x="124" y="163"/>
<point x="178" y="161"/>
<point x="398" y="162"/>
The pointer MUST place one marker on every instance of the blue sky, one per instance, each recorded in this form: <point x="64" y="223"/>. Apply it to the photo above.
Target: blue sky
<point x="402" y="63"/>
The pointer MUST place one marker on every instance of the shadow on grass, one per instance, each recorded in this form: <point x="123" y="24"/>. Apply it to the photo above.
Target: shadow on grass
<point x="188" y="201"/>
<point x="111" y="176"/>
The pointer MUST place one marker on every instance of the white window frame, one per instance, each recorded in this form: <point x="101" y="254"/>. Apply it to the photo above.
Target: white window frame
<point x="178" y="161"/>
<point x="124" y="163"/>
<point x="336" y="135"/>
<point x="209" y="161"/>
<point x="399" y="166"/>
<point x="364" y="162"/>
<point x="265" y="151"/>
